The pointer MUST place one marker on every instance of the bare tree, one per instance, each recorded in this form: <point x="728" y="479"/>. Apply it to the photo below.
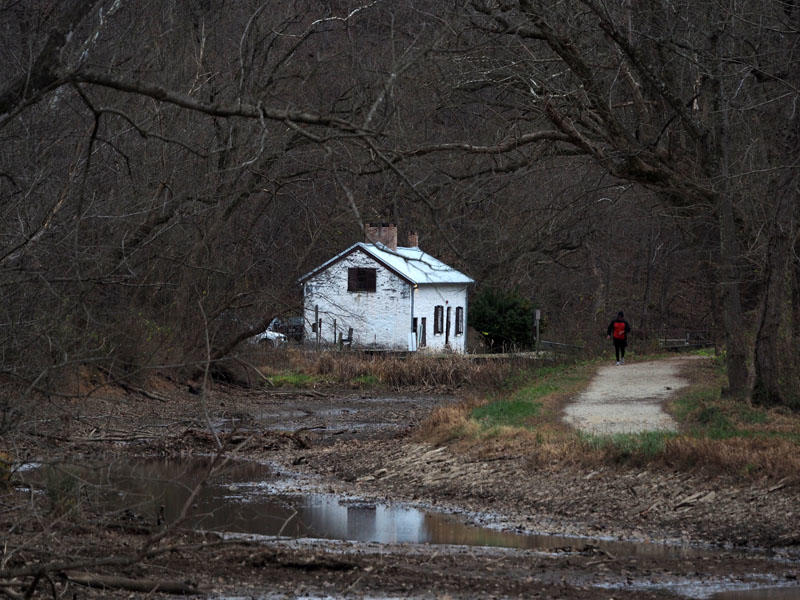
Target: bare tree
<point x="670" y="96"/>
<point x="161" y="153"/>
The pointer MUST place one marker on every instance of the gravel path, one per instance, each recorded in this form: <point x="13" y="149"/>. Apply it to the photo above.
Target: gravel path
<point x="627" y="398"/>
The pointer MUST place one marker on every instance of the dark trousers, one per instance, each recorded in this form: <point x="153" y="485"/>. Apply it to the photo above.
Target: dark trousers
<point x="619" y="348"/>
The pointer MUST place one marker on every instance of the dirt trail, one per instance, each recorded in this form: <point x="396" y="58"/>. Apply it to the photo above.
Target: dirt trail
<point x="628" y="398"/>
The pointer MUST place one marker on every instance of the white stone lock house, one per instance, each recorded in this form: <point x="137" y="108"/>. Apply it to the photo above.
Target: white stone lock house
<point x="378" y="295"/>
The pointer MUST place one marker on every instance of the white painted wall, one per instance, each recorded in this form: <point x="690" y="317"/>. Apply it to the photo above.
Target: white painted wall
<point x="426" y="298"/>
<point x="380" y="319"/>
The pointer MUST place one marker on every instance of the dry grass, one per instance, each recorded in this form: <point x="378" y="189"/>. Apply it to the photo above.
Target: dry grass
<point x="738" y="457"/>
<point x="418" y="370"/>
<point x="449" y="423"/>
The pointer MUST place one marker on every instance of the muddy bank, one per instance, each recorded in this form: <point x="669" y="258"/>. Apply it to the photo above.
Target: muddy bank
<point x="620" y="503"/>
<point x="360" y="444"/>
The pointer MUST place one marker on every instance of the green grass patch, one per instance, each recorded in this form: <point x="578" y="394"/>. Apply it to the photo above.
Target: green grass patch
<point x="298" y="380"/>
<point x="644" y="446"/>
<point x="705" y="352"/>
<point x="509" y="413"/>
<point x="366" y="380"/>
<point x="522" y="399"/>
<point x="703" y="413"/>
<point x="751" y="415"/>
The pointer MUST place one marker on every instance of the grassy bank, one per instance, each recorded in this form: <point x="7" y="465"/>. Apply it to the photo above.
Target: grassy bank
<point x="716" y="434"/>
<point x="515" y="405"/>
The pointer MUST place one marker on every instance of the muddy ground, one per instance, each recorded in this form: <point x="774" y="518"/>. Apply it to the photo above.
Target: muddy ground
<point x="362" y="444"/>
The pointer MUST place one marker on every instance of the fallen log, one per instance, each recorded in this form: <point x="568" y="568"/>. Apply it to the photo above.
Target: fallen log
<point x="133" y="585"/>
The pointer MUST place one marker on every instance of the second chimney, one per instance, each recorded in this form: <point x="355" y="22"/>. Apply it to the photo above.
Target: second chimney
<point x="413" y="240"/>
<point x="385" y="233"/>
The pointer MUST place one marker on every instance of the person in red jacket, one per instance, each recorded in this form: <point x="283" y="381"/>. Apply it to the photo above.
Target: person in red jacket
<point x="618" y="331"/>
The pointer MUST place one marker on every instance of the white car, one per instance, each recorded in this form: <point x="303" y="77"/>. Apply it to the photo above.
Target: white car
<point x="269" y="337"/>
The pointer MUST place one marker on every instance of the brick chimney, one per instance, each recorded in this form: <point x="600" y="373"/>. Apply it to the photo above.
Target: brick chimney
<point x="413" y="240"/>
<point x="385" y="233"/>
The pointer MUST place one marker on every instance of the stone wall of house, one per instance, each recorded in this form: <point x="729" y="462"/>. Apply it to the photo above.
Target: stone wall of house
<point x="379" y="319"/>
<point x="426" y="299"/>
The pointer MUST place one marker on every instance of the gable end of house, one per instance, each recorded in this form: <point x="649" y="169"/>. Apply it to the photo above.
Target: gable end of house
<point x="344" y="255"/>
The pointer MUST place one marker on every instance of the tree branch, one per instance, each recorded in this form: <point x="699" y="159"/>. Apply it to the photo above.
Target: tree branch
<point x="218" y="109"/>
<point x="504" y="146"/>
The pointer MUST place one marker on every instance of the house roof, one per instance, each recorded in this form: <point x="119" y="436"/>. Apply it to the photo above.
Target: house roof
<point x="412" y="264"/>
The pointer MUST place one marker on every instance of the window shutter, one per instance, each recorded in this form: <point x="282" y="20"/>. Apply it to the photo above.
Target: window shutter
<point x="370" y="279"/>
<point x="438" y="319"/>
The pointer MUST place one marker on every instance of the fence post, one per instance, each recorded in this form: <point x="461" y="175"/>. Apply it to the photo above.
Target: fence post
<point x="317" y="323"/>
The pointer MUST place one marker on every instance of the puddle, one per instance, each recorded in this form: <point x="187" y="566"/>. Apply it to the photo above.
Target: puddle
<point x="250" y="498"/>
<point x="773" y="593"/>
<point x="752" y="587"/>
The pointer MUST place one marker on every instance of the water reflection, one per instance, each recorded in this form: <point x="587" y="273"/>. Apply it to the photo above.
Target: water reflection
<point x="241" y="497"/>
<point x="787" y="593"/>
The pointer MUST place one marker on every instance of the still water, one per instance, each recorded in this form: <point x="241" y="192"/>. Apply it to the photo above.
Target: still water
<point x="243" y="497"/>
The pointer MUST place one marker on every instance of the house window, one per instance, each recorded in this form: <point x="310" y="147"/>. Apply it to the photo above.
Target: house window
<point x="459" y="320"/>
<point x="438" y="319"/>
<point x="360" y="279"/>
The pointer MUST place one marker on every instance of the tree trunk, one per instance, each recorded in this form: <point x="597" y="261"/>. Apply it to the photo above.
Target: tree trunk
<point x="776" y="380"/>
<point x="776" y="359"/>
<point x="730" y="269"/>
<point x="776" y="376"/>
<point x="600" y="296"/>
<point x="735" y="342"/>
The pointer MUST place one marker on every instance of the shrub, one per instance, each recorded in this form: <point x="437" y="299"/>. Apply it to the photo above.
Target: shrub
<point x="504" y="317"/>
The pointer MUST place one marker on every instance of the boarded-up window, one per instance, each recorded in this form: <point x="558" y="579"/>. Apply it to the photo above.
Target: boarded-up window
<point x="459" y="320"/>
<point x="360" y="279"/>
<point x="438" y="319"/>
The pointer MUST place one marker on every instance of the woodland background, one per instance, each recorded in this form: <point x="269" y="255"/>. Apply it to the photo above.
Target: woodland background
<point x="169" y="168"/>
